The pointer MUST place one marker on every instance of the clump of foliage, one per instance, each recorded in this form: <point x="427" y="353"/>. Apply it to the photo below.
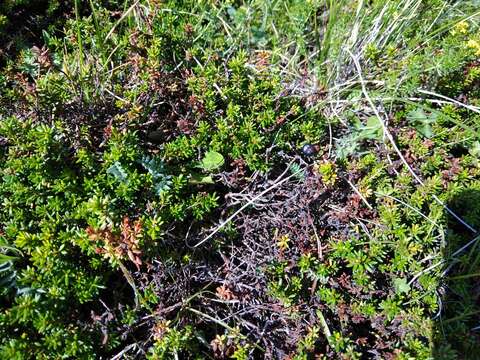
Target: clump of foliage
<point x="240" y="180"/>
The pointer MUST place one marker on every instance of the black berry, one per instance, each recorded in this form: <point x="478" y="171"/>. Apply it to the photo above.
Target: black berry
<point x="309" y="150"/>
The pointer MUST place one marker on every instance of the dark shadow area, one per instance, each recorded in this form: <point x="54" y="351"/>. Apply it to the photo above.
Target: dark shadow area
<point x="457" y="326"/>
<point x="22" y="24"/>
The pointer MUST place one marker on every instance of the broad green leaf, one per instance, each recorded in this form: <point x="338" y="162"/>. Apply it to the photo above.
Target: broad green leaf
<point x="212" y="161"/>
<point x="373" y="129"/>
<point x="401" y="285"/>
<point x="196" y="178"/>
<point x="422" y="121"/>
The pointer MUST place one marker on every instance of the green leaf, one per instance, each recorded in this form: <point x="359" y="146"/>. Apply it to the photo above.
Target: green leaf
<point x="212" y="161"/>
<point x="156" y="167"/>
<point x="372" y="130"/>
<point x="401" y="285"/>
<point x="347" y="145"/>
<point x="6" y="258"/>
<point x="297" y="171"/>
<point x="475" y="149"/>
<point x="422" y="122"/>
<point x="118" y="172"/>
<point x="196" y="178"/>
<point x="162" y="184"/>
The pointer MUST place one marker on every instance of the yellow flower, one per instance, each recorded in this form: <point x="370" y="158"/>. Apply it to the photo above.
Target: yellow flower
<point x="283" y="242"/>
<point x="460" y="27"/>
<point x="474" y="45"/>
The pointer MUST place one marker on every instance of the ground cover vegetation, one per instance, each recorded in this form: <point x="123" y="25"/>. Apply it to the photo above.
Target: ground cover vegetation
<point x="277" y="179"/>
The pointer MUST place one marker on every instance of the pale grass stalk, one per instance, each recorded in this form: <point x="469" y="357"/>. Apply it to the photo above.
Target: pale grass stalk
<point x="358" y="193"/>
<point x="453" y="101"/>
